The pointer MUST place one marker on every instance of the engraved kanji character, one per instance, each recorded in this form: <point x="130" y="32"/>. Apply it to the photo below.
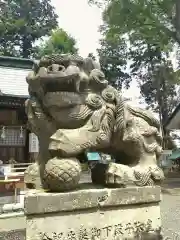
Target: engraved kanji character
<point x="83" y="234"/>
<point x="149" y="226"/>
<point x="129" y="228"/>
<point x="118" y="230"/>
<point x="96" y="233"/>
<point x="107" y="230"/>
<point x="57" y="236"/>
<point x="44" y="236"/>
<point x="71" y="235"/>
<point x="139" y="227"/>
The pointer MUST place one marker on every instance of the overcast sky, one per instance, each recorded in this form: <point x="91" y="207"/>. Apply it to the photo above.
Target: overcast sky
<point x="81" y="21"/>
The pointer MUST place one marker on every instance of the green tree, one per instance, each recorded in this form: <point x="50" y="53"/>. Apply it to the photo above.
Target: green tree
<point x="158" y="87"/>
<point x="159" y="90"/>
<point x="113" y="61"/>
<point x="155" y="19"/>
<point x="129" y="28"/>
<point x="22" y="22"/>
<point x="142" y="32"/>
<point x="151" y="30"/>
<point x="59" y="42"/>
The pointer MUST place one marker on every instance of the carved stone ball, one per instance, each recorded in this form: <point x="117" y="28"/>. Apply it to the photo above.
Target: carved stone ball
<point x="32" y="176"/>
<point x="61" y="174"/>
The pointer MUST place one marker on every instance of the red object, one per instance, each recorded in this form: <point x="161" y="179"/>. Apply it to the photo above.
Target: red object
<point x="10" y="187"/>
<point x="7" y="187"/>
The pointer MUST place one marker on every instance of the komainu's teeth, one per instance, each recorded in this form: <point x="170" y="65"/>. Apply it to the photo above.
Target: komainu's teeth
<point x="77" y="85"/>
<point x="42" y="72"/>
<point x="30" y="76"/>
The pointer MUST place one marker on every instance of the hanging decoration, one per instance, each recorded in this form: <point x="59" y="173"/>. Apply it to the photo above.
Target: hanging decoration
<point x="21" y="132"/>
<point x="3" y="134"/>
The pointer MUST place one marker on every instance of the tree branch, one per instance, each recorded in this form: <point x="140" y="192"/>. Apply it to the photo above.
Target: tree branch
<point x="177" y="20"/>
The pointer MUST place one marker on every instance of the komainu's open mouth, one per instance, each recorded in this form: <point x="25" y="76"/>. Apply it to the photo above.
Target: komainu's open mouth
<point x="63" y="99"/>
<point x="56" y="78"/>
<point x="63" y="84"/>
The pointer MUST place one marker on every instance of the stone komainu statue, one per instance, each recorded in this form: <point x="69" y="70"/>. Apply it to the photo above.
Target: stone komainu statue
<point x="72" y="109"/>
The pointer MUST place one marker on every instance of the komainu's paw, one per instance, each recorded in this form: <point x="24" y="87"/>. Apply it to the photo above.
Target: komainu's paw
<point x="122" y="175"/>
<point x="148" y="176"/>
<point x="119" y="175"/>
<point x="61" y="141"/>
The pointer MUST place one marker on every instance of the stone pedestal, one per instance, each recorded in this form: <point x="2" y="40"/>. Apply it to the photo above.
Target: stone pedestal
<point x="127" y="213"/>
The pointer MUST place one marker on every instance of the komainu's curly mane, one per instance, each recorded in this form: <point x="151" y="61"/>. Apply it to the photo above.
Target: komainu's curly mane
<point x="125" y="113"/>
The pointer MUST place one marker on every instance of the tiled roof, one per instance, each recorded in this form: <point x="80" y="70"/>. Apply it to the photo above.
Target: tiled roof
<point x="13" y="80"/>
<point x="16" y="62"/>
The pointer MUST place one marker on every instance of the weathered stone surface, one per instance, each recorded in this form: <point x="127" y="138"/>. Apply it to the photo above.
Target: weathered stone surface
<point x="40" y="202"/>
<point x="72" y="109"/>
<point x="111" y="214"/>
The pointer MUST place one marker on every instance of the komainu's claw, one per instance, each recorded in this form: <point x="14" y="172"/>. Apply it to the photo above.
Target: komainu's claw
<point x="148" y="176"/>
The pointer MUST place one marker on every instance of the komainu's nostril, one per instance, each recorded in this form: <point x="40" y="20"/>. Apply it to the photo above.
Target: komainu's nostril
<point x="56" y="68"/>
<point x="61" y="68"/>
<point x="50" y="68"/>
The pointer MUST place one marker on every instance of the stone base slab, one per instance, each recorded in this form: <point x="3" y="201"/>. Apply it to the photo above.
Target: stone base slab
<point x="128" y="213"/>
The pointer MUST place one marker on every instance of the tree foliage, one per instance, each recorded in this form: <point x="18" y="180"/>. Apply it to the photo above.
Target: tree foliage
<point x="159" y="89"/>
<point x="152" y="19"/>
<point x="152" y="30"/>
<point x="58" y="42"/>
<point x="22" y="22"/>
<point x="136" y="31"/>
<point x="113" y="60"/>
<point x="141" y="32"/>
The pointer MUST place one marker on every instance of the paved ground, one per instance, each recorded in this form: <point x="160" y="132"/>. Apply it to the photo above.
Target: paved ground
<point x="170" y="209"/>
<point x="13" y="235"/>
